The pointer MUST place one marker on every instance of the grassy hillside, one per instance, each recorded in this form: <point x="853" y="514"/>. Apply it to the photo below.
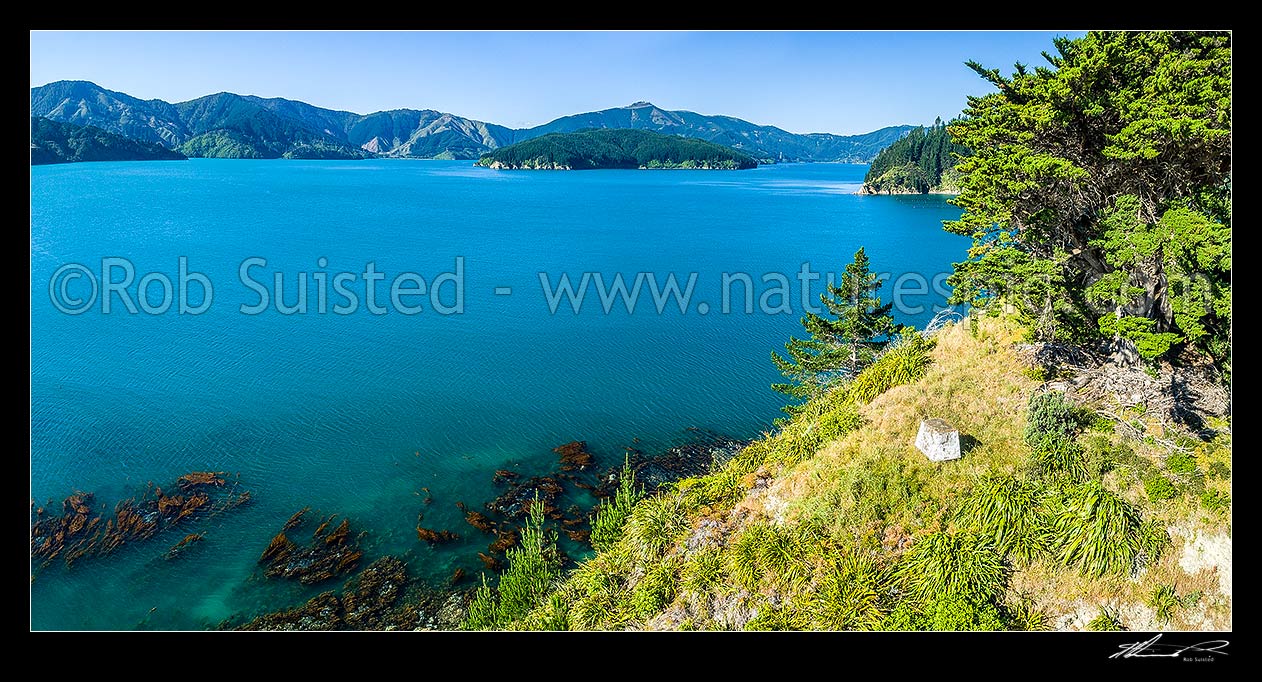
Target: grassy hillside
<point x="836" y="521"/>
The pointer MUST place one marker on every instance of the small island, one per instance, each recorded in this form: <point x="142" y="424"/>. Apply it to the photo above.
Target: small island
<point x="615" y="148"/>
<point x="57" y="142"/>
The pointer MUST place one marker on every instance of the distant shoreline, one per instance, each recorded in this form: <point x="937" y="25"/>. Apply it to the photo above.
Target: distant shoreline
<point x="932" y="191"/>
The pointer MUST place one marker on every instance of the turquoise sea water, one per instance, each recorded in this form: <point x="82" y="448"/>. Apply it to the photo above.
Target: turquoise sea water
<point x="330" y="411"/>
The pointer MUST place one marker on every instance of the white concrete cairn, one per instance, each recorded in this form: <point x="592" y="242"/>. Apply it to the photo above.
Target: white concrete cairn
<point x="938" y="441"/>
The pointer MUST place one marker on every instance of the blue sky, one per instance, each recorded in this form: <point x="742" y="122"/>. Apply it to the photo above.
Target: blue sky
<point x="843" y="82"/>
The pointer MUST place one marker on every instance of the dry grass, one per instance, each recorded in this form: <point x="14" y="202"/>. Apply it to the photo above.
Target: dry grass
<point x="975" y="383"/>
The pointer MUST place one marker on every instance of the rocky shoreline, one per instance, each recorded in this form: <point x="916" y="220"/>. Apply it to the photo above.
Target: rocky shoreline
<point x="868" y="190"/>
<point x="539" y="164"/>
<point x="313" y="549"/>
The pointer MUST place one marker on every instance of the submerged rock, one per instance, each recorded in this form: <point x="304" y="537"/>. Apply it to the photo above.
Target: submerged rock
<point x="574" y="456"/>
<point x="331" y="552"/>
<point x="514" y="503"/>
<point x="367" y="597"/>
<point x="380" y="597"/>
<point x="698" y="456"/>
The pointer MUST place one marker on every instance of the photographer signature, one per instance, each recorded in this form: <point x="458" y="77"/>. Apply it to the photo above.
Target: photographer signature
<point x="1153" y="649"/>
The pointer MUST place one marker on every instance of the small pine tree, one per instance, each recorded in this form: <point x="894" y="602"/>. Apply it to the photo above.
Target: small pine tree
<point x="611" y="516"/>
<point x="533" y="570"/>
<point x="855" y="330"/>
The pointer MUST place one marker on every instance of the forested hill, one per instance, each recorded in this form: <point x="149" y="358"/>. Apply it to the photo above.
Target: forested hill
<point x="56" y="142"/>
<point x="615" y="148"/>
<point x="922" y="162"/>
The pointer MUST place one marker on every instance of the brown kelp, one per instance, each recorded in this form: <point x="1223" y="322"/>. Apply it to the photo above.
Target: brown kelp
<point x="80" y="531"/>
<point x="332" y="551"/>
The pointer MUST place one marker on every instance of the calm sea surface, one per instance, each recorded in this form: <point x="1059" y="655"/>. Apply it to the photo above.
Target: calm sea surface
<point x="352" y="414"/>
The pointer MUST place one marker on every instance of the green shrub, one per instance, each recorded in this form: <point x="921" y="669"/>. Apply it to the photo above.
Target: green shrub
<point x="837" y="422"/>
<point x="1056" y="456"/>
<point x="1022" y="615"/>
<point x="783" y="554"/>
<point x="1095" y="530"/>
<point x="533" y="567"/>
<point x="903" y="363"/>
<point x="1214" y="458"/>
<point x="1153" y="540"/>
<point x="1050" y="414"/>
<point x="745" y="556"/>
<point x="771" y="618"/>
<point x="655" y="590"/>
<point x="1181" y="463"/>
<point x="721" y="489"/>
<point x="848" y="596"/>
<point x="654" y="525"/>
<point x="945" y="566"/>
<point x="704" y="572"/>
<point x="611" y="516"/>
<point x="1036" y="373"/>
<point x="953" y="614"/>
<point x="1215" y="500"/>
<point x="1105" y="622"/>
<point x="1101" y="455"/>
<point x="600" y="598"/>
<point x="1099" y="423"/>
<point x="483" y="612"/>
<point x="554" y="616"/>
<point x="1159" y="488"/>
<point x="1008" y="511"/>
<point x="1165" y="602"/>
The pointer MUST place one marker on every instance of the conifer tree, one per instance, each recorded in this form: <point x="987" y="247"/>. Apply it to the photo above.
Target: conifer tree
<point x="852" y="331"/>
<point x="1098" y="192"/>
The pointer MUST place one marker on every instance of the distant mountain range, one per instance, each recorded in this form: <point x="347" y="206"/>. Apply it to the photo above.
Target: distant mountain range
<point x="226" y="125"/>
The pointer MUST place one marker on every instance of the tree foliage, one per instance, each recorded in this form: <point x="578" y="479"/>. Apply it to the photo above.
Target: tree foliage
<point x="533" y="569"/>
<point x="611" y="517"/>
<point x="847" y="338"/>
<point x="1099" y="186"/>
